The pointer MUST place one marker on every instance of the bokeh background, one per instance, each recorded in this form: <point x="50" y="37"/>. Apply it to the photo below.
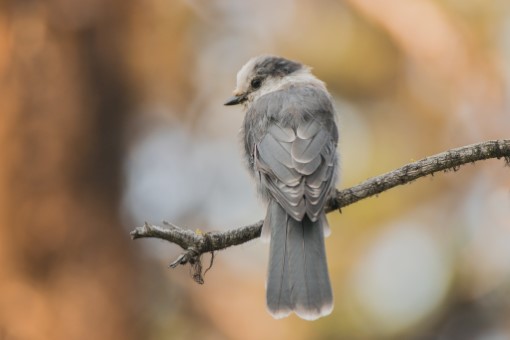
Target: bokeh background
<point x="111" y="115"/>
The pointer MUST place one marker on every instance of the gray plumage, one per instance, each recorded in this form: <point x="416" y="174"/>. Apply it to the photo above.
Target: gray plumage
<point x="290" y="139"/>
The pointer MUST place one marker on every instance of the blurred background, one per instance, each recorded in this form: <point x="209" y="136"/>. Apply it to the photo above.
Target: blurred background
<point x="111" y="115"/>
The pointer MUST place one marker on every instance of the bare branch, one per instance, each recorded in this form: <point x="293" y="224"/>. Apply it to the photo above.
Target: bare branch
<point x="444" y="161"/>
<point x="196" y="244"/>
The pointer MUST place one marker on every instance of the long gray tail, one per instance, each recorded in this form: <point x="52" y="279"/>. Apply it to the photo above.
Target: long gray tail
<point x="298" y="278"/>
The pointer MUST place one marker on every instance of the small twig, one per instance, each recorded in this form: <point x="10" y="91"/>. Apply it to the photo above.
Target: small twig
<point x="196" y="244"/>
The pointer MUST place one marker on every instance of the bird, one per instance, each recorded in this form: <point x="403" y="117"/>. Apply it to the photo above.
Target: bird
<point x="290" y="136"/>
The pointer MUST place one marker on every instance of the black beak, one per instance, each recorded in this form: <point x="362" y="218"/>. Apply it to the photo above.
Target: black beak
<point x="235" y="100"/>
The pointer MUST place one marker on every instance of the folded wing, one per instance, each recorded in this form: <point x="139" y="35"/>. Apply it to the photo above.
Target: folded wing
<point x="297" y="165"/>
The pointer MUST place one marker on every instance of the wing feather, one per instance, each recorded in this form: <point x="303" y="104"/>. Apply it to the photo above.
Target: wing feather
<point x="308" y="129"/>
<point x="309" y="167"/>
<point x="305" y="150"/>
<point x="283" y="134"/>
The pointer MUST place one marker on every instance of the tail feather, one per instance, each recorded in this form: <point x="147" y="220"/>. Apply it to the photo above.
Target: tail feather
<point x="298" y="277"/>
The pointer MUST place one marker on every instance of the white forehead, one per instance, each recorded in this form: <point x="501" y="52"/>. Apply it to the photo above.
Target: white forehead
<point x="244" y="73"/>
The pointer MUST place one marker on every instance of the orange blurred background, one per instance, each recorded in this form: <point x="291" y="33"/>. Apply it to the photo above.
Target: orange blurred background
<point x="111" y="115"/>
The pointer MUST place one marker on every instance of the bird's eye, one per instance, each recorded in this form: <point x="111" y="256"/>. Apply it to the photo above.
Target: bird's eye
<point x="255" y="83"/>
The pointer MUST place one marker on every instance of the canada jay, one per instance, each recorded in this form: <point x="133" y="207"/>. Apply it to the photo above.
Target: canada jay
<point x="290" y="140"/>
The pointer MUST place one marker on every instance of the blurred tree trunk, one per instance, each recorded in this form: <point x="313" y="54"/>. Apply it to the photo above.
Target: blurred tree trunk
<point x="66" y="267"/>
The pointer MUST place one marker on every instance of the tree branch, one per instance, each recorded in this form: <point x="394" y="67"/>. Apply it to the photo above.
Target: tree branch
<point x="195" y="244"/>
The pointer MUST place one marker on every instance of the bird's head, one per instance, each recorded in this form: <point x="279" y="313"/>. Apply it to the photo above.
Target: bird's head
<point x="264" y="74"/>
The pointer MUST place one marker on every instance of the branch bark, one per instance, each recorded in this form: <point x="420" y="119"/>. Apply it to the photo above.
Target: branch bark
<point x="196" y="244"/>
